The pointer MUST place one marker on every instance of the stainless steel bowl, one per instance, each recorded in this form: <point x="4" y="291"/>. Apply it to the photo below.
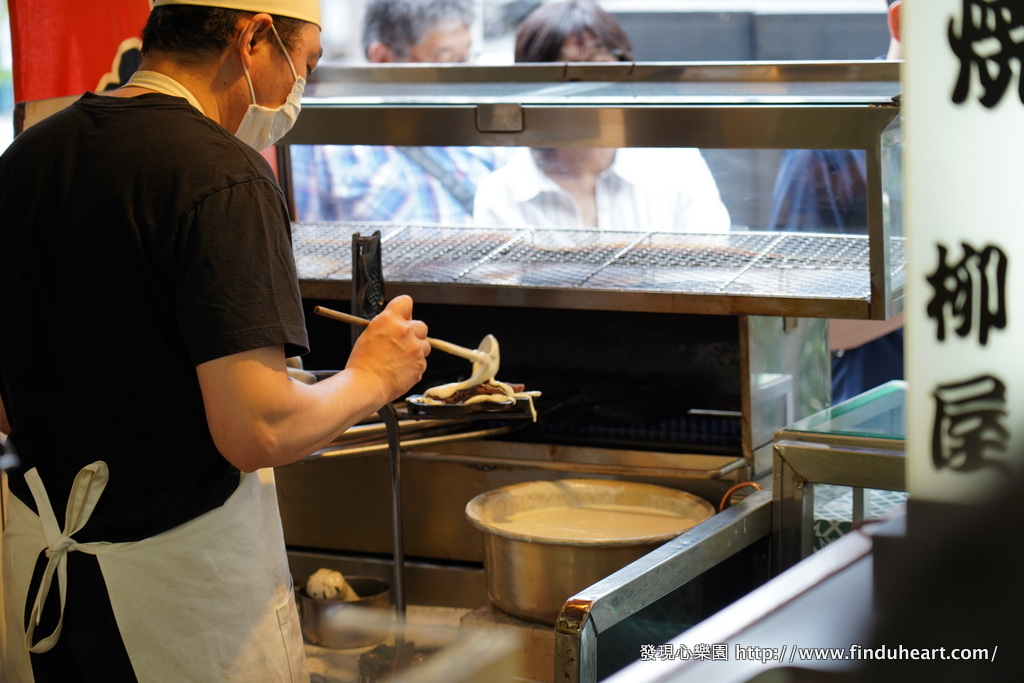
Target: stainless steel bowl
<point x="344" y="624"/>
<point x="531" y="575"/>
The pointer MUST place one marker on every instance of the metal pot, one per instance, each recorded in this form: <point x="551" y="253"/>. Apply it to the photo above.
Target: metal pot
<point x="348" y="623"/>
<point x="545" y="541"/>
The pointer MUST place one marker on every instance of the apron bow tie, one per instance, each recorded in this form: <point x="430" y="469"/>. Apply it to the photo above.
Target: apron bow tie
<point x="59" y="546"/>
<point x="85" y="493"/>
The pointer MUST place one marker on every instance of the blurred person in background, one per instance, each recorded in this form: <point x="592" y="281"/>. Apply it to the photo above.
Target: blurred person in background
<point x="826" y="191"/>
<point x="611" y="189"/>
<point x="398" y="184"/>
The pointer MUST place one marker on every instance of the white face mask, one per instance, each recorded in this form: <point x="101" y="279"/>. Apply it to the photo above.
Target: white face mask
<point x="263" y="126"/>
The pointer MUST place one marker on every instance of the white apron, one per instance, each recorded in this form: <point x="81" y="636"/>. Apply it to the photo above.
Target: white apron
<point x="211" y="599"/>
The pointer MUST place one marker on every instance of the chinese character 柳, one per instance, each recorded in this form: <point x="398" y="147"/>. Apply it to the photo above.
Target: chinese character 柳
<point x="971" y="292"/>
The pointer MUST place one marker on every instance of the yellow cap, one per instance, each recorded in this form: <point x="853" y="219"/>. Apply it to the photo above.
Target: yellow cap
<point x="306" y="10"/>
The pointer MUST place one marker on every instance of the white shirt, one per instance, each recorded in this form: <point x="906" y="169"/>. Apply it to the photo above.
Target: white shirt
<point x="658" y="190"/>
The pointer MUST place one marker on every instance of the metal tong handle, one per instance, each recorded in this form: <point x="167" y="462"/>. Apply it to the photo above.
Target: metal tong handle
<point x="439" y="344"/>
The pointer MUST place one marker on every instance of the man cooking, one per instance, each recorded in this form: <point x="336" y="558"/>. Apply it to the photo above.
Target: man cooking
<point x="149" y="301"/>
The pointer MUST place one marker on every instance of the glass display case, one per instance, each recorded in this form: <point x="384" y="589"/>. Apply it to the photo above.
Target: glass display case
<point x="858" y="444"/>
<point x="741" y="117"/>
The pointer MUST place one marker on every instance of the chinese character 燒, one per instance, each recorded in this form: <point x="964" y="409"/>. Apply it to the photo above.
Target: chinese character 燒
<point x="987" y="46"/>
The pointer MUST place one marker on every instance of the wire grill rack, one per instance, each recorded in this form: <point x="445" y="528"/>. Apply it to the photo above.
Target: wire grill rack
<point x="770" y="264"/>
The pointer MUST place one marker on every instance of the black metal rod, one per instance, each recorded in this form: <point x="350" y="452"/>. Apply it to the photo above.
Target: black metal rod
<point x="390" y="419"/>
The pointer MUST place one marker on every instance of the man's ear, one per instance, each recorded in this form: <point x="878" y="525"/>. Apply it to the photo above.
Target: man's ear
<point x="254" y="31"/>
<point x="894" y="20"/>
<point x="379" y="53"/>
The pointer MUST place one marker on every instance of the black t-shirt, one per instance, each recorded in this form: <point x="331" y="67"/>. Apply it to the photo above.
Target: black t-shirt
<point x="138" y="239"/>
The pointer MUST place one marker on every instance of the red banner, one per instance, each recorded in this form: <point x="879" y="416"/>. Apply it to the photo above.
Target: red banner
<point x="62" y="48"/>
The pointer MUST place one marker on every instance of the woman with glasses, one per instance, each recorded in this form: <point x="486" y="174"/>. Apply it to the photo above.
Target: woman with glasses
<point x="665" y="190"/>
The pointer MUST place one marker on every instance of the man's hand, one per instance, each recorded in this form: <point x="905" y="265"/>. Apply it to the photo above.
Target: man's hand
<point x="393" y="348"/>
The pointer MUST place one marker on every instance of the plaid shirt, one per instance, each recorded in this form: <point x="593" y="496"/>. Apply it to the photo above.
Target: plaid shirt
<point x="382" y="184"/>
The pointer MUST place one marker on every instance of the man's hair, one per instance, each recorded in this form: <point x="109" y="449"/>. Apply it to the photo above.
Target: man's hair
<point x="198" y="32"/>
<point x="401" y="24"/>
<point x="542" y="33"/>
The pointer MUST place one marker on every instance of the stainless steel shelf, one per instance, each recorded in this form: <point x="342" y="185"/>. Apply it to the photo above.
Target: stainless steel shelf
<point x="811" y="105"/>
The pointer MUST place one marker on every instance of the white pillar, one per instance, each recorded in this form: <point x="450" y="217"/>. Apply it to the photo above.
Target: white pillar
<point x="963" y="128"/>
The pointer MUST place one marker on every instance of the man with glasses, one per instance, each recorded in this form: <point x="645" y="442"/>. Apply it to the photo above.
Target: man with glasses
<point x="434" y="185"/>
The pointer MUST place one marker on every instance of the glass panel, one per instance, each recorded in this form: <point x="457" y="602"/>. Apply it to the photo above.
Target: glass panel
<point x="892" y="194"/>
<point x="715" y="221"/>
<point x="821" y="190"/>
<point x="628" y="189"/>
<point x="879" y="413"/>
<point x="389" y="184"/>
